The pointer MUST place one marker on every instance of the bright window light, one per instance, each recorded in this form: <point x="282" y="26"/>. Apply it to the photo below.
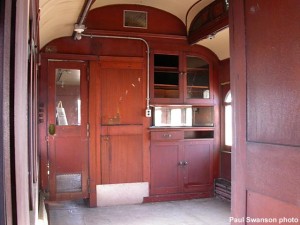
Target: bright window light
<point x="228" y="120"/>
<point x="228" y="125"/>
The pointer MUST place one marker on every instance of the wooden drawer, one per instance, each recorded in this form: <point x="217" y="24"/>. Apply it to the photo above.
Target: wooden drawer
<point x="166" y="135"/>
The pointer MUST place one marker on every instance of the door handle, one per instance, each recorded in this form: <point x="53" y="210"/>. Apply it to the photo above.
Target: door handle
<point x="51" y="129"/>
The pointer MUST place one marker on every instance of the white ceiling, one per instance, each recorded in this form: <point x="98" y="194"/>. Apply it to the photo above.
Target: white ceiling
<point x="59" y="16"/>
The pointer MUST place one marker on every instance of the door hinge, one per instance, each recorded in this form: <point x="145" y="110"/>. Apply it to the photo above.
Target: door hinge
<point x="88" y="185"/>
<point x="87" y="129"/>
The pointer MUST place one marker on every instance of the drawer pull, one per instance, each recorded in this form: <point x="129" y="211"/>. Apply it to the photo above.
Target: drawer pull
<point x="167" y="135"/>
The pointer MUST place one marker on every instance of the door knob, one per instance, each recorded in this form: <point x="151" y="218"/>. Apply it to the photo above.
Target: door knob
<point x="180" y="163"/>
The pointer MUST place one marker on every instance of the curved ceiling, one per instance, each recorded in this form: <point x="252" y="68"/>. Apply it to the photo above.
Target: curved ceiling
<point x="58" y="18"/>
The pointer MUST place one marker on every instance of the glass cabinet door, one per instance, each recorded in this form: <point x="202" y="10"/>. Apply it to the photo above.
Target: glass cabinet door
<point x="197" y="79"/>
<point x="166" y="76"/>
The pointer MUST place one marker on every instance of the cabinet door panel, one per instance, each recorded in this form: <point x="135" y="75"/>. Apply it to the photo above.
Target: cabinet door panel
<point x="164" y="167"/>
<point x="122" y="158"/>
<point x="198" y="171"/>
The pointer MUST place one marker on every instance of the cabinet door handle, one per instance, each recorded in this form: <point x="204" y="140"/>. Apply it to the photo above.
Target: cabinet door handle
<point x="185" y="163"/>
<point x="180" y="163"/>
<point x="167" y="135"/>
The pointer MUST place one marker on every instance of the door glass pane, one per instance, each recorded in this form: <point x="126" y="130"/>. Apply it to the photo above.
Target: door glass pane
<point x="68" y="102"/>
<point x="197" y="78"/>
<point x="166" y="76"/>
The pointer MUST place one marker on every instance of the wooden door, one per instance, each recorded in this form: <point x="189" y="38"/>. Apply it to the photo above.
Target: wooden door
<point x="198" y="169"/>
<point x="122" y="91"/>
<point x="166" y="167"/>
<point x="265" y="88"/>
<point x="67" y="130"/>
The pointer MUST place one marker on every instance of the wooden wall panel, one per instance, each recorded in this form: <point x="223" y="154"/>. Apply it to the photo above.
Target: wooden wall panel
<point x="264" y="68"/>
<point x="238" y="88"/>
<point x="274" y="170"/>
<point x="273" y="54"/>
<point x="159" y="22"/>
<point x="224" y="75"/>
<point x="275" y="211"/>
<point x="122" y="158"/>
<point x="225" y="161"/>
<point x="94" y="143"/>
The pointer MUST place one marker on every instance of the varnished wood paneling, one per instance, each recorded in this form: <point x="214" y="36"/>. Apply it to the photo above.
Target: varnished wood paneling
<point x="273" y="68"/>
<point x="225" y="164"/>
<point x="275" y="211"/>
<point x="224" y="74"/>
<point x="238" y="88"/>
<point x="165" y="172"/>
<point x="94" y="142"/>
<point x="70" y="142"/>
<point x="121" y="112"/>
<point x="273" y="170"/>
<point x="198" y="173"/>
<point x="121" y="130"/>
<point x="121" y="98"/>
<point x="158" y="20"/>
<point x="264" y="62"/>
<point x="122" y="158"/>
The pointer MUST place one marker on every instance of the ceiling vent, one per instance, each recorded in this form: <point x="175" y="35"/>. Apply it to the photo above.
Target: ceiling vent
<point x="135" y="19"/>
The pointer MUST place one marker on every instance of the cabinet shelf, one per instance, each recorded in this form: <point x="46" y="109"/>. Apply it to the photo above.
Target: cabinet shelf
<point x="166" y="86"/>
<point x="200" y="87"/>
<point x="181" y="79"/>
<point x="166" y="69"/>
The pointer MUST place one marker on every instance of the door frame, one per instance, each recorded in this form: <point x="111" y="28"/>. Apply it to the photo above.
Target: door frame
<point x="238" y="90"/>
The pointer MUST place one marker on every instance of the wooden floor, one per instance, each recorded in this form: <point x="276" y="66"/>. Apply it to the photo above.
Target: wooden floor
<point x="190" y="212"/>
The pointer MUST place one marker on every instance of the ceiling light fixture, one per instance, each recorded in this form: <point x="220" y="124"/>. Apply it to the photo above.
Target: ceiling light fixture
<point x="78" y="29"/>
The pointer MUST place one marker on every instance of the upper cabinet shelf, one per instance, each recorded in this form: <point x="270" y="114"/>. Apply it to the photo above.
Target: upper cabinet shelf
<point x="180" y="78"/>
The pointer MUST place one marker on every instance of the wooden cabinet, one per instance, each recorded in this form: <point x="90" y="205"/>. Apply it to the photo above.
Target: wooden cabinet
<point x="179" y="77"/>
<point x="180" y="163"/>
<point x="198" y="165"/>
<point x="165" y="170"/>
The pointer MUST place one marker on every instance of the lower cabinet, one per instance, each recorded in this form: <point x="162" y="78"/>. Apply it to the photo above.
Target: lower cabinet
<point x="198" y="165"/>
<point x="179" y="165"/>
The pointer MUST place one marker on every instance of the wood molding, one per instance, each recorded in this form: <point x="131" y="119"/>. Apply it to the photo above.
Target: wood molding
<point x="134" y="34"/>
<point x="210" y="20"/>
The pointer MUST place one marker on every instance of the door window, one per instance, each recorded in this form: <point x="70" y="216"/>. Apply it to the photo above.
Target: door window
<point x="67" y="99"/>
